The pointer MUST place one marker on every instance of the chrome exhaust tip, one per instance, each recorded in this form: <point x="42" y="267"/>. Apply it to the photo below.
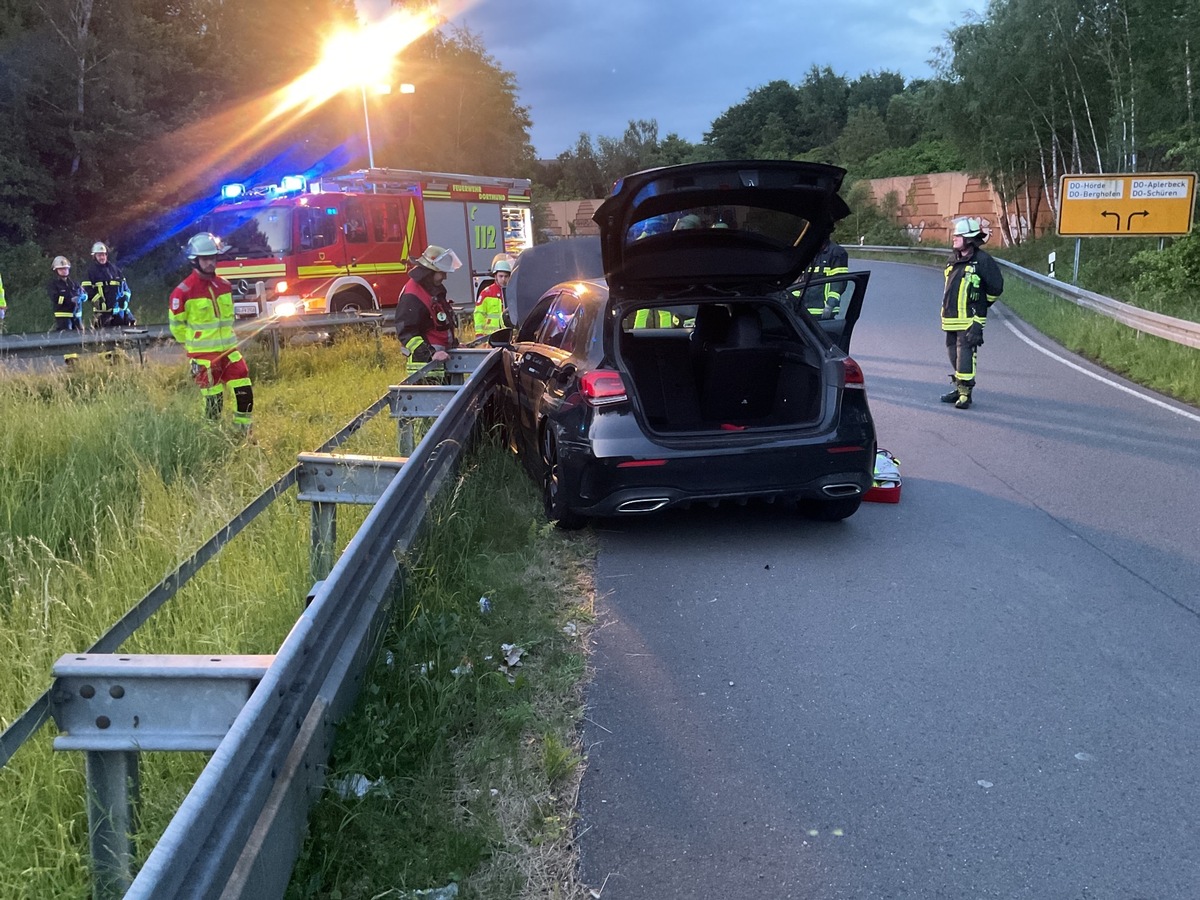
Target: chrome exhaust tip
<point x="841" y="490"/>
<point x="648" y="504"/>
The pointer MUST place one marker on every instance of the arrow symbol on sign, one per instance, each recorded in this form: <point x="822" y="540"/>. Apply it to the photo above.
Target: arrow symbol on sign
<point x="1129" y="218"/>
<point x="1116" y="216"/>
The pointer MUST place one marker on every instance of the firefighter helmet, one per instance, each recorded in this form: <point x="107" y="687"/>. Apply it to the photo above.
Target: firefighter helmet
<point x="204" y="244"/>
<point x="99" y="247"/>
<point x="502" y="264"/>
<point x="969" y="227"/>
<point x="439" y="259"/>
<point x="60" y="262"/>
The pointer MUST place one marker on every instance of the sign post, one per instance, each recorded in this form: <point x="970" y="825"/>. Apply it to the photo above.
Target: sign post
<point x="1129" y="205"/>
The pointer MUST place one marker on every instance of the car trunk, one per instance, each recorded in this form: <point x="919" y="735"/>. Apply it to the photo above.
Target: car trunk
<point x="720" y="367"/>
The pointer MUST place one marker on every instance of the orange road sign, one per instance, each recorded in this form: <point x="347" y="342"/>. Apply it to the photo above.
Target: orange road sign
<point x="1155" y="204"/>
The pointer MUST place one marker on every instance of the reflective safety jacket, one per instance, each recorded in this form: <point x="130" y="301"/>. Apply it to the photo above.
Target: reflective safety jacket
<point x="973" y="282"/>
<point x="201" y="317"/>
<point x="831" y="260"/>
<point x="662" y="318"/>
<point x="64" y="294"/>
<point x="103" y="283"/>
<point x="489" y="310"/>
<point x="3" y="302"/>
<point x="424" y="323"/>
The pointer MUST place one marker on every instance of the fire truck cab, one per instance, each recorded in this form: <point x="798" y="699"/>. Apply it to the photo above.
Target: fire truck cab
<point x="344" y="243"/>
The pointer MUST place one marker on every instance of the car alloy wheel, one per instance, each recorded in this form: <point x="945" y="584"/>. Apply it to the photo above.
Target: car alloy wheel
<point x="552" y="487"/>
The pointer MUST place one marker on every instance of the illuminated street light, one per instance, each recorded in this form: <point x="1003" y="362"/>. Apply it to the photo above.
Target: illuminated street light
<point x="379" y="89"/>
<point x="359" y="58"/>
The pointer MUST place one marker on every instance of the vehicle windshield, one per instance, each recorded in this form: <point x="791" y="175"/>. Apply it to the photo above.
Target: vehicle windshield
<point x="253" y="231"/>
<point x="781" y="228"/>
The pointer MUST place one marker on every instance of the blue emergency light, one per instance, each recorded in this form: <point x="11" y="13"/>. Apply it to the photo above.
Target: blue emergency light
<point x="232" y="191"/>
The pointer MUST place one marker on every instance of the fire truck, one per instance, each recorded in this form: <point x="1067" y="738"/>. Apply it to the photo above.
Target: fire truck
<point x="344" y="243"/>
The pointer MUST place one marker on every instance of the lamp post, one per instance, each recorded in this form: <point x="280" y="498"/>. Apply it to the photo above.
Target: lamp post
<point x="379" y="89"/>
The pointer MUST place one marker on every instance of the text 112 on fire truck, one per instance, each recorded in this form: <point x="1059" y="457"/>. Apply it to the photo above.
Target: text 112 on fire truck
<point x="344" y="243"/>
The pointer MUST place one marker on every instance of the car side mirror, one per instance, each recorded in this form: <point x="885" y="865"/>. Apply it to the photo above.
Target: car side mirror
<point x="500" y="338"/>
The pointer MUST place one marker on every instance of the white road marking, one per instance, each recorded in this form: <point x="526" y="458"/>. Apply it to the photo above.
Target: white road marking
<point x="1120" y="387"/>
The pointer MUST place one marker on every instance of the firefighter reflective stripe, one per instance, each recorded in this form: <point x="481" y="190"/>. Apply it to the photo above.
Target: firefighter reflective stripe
<point x="972" y="286"/>
<point x="412" y="350"/>
<point x="662" y="318"/>
<point x="831" y="291"/>
<point x="201" y="316"/>
<point x="489" y="310"/>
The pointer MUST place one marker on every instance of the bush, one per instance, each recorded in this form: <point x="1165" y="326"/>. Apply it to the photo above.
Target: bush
<point x="1169" y="281"/>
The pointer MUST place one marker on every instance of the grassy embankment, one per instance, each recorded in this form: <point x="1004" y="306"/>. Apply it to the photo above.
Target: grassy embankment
<point x="111" y="478"/>
<point x="1169" y="368"/>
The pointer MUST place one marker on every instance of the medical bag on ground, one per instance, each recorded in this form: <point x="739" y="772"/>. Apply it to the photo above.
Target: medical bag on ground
<point x="885" y="487"/>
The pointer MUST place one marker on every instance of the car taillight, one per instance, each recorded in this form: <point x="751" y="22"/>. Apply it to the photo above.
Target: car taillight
<point x="602" y="386"/>
<point x="854" y="375"/>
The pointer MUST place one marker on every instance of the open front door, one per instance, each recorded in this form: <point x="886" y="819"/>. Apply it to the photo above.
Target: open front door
<point x="834" y="301"/>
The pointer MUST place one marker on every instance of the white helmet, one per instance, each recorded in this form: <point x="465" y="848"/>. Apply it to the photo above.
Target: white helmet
<point x="60" y="262"/>
<point x="439" y="259"/>
<point x="99" y="247"/>
<point x="204" y="244"/>
<point x="969" y="227"/>
<point x="502" y="264"/>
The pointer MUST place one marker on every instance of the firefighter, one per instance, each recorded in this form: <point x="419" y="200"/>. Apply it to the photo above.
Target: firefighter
<point x="66" y="295"/>
<point x="973" y="282"/>
<point x="106" y="288"/>
<point x="424" y="315"/>
<point x="201" y="318"/>
<point x="825" y="301"/>
<point x="491" y="307"/>
<point x="3" y="305"/>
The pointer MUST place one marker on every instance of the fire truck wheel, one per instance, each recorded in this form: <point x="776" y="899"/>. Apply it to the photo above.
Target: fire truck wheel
<point x="351" y="301"/>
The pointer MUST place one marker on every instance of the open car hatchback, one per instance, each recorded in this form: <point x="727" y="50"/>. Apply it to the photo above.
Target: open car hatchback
<point x="675" y="363"/>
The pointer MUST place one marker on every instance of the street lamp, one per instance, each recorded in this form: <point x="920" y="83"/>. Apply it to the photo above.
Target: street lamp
<point x="379" y="89"/>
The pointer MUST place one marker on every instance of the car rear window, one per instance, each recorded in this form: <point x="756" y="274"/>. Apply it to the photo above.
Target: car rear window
<point x="783" y="229"/>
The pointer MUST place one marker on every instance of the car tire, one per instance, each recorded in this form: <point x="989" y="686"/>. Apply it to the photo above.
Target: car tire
<point x="553" y="499"/>
<point x="831" y="510"/>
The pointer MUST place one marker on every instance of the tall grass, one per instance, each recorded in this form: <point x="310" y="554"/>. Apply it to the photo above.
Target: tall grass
<point x="109" y="477"/>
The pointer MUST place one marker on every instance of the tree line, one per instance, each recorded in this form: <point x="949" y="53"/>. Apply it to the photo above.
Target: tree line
<point x="121" y="119"/>
<point x="122" y="116"/>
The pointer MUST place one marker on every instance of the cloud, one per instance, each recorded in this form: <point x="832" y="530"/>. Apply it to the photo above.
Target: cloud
<point x="587" y="66"/>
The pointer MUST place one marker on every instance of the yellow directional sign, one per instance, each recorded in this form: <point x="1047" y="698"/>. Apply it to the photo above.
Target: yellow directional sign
<point x="1126" y="205"/>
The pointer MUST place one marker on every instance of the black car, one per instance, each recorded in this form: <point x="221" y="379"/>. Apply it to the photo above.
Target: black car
<point x="670" y="364"/>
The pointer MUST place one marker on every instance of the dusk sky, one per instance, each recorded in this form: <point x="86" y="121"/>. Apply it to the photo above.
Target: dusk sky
<point x="592" y="65"/>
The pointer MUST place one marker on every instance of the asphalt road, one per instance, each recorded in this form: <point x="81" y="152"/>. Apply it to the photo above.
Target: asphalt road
<point x="986" y="690"/>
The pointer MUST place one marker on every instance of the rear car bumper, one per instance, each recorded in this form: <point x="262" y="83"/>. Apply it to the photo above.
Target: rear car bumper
<point x="622" y="486"/>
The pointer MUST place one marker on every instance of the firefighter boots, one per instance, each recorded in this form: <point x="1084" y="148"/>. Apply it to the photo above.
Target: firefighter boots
<point x="951" y="395"/>
<point x="963" y="400"/>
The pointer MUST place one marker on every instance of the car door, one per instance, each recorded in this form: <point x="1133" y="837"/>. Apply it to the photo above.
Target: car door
<point x="853" y="291"/>
<point x="547" y="365"/>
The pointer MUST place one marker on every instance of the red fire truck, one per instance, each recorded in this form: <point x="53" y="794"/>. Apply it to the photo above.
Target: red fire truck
<point x="344" y="243"/>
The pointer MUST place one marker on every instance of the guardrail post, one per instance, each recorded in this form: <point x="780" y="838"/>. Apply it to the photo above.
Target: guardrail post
<point x="274" y="346"/>
<point x="138" y="336"/>
<point x="327" y="479"/>
<point x="324" y="539"/>
<point x="114" y="795"/>
<point x="113" y="707"/>
<point x="420" y="401"/>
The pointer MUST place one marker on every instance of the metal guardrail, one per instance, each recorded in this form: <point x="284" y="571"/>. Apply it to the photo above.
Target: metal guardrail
<point x="1179" y="331"/>
<point x="92" y="340"/>
<point x="238" y="832"/>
